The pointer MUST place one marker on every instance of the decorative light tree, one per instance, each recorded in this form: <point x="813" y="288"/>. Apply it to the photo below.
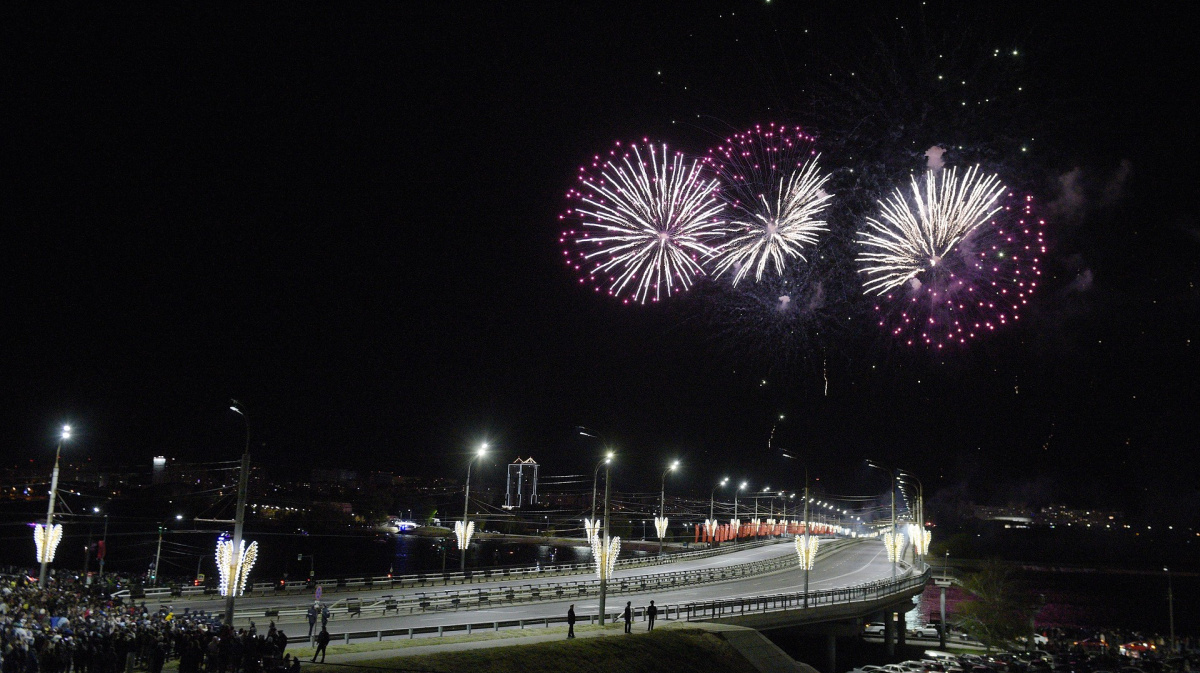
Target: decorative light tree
<point x="46" y="539"/>
<point x="592" y="528"/>
<point x="806" y="549"/>
<point x="463" y="530"/>
<point x="606" y="557"/>
<point x="234" y="566"/>
<point x="895" y="544"/>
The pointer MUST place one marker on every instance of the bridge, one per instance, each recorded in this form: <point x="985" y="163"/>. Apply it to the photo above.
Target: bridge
<point x="755" y="585"/>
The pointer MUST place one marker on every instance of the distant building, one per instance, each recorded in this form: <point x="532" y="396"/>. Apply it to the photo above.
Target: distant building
<point x="522" y="483"/>
<point x="334" y="476"/>
<point x="158" y="474"/>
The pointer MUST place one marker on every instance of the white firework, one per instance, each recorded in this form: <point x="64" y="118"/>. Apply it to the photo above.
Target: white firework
<point x="647" y="222"/>
<point x="778" y="229"/>
<point x="913" y="236"/>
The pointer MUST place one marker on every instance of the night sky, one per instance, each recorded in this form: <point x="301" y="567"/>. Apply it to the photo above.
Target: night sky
<point x="347" y="219"/>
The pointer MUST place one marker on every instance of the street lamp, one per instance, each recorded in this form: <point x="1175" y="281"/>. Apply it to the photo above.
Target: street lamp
<point x="736" y="523"/>
<point x="660" y="522"/>
<point x="603" y="560"/>
<point x="590" y="525"/>
<point x="711" y="524"/>
<point x="465" y="533"/>
<point x="921" y="544"/>
<point x="892" y="485"/>
<point x="47" y="538"/>
<point x="1171" y="608"/>
<point x="235" y="550"/>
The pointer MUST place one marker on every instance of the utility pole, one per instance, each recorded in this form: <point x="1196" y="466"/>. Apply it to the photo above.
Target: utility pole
<point x="157" y="556"/>
<point x="807" y="533"/>
<point x="892" y="487"/>
<point x="45" y="560"/>
<point x="662" y="502"/>
<point x="462" y="565"/>
<point x="240" y="517"/>
<point x="104" y="542"/>
<point x="1171" y="608"/>
<point x="87" y="554"/>
<point x="604" y="559"/>
<point x="942" y="600"/>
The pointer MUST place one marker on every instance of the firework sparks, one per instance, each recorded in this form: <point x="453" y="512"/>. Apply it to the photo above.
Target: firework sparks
<point x="959" y="262"/>
<point x="907" y="241"/>
<point x="775" y="194"/>
<point x="646" y="222"/>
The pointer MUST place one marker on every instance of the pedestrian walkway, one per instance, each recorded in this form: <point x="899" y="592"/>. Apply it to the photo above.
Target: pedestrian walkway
<point x="764" y="655"/>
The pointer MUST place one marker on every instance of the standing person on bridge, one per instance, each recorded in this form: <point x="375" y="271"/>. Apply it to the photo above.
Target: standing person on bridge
<point x="651" y="613"/>
<point x="312" y="619"/>
<point x="628" y="615"/>
<point x="571" y="621"/>
<point x="322" y="643"/>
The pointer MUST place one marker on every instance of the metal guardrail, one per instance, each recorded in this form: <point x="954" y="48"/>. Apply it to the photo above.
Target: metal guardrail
<point x="695" y="611"/>
<point x="474" y="576"/>
<point x="860" y="593"/>
<point x="463" y="599"/>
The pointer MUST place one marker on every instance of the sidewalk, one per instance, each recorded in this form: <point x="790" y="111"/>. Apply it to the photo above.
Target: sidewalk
<point x="403" y="649"/>
<point x="760" y="652"/>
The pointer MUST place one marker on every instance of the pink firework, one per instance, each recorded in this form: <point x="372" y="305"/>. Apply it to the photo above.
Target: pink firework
<point x="643" y="218"/>
<point x="982" y="283"/>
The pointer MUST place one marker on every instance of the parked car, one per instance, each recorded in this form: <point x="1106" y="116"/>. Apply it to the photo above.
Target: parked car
<point x="927" y="631"/>
<point x="874" y="628"/>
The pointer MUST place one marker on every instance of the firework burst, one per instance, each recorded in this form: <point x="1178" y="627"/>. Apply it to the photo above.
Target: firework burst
<point x="774" y="194"/>
<point x="646" y="218"/>
<point x="907" y="241"/>
<point x="954" y="262"/>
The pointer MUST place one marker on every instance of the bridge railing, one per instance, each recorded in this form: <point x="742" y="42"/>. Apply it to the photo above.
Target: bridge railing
<point x="473" y="576"/>
<point x="464" y="599"/>
<point x="695" y="611"/>
<point x="704" y="610"/>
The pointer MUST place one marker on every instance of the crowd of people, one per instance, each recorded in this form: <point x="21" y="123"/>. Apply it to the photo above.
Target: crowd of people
<point x="66" y="629"/>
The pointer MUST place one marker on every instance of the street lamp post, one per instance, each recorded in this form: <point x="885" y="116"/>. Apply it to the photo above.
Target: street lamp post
<point x="104" y="543"/>
<point x="1171" y="609"/>
<point x="920" y="510"/>
<point x="735" y="511"/>
<point x="892" y="487"/>
<point x="595" y="474"/>
<point x="711" y="510"/>
<point x="462" y="565"/>
<point x="240" y="515"/>
<point x="587" y="432"/>
<point x="45" y="560"/>
<point x="807" y="533"/>
<point x="662" y="506"/>
<point x="942" y="601"/>
<point x="604" y="575"/>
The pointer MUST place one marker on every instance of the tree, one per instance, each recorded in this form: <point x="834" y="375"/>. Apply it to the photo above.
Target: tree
<point x="998" y="612"/>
